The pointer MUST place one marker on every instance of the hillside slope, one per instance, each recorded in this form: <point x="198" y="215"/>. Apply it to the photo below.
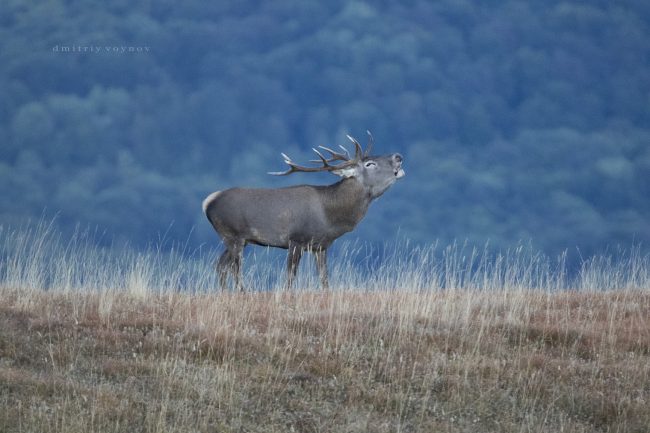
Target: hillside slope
<point x="456" y="361"/>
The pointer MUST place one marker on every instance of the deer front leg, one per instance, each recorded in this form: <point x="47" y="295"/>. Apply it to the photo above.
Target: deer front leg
<point x="293" y="260"/>
<point x="321" y="265"/>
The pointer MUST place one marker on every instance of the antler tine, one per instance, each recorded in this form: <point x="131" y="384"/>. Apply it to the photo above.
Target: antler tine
<point x="358" y="151"/>
<point x="321" y="156"/>
<point x="283" y="173"/>
<point x="371" y="141"/>
<point x="287" y="160"/>
<point x="280" y="173"/>
<point x="336" y="156"/>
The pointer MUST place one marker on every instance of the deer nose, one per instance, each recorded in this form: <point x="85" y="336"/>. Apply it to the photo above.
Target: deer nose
<point x="399" y="173"/>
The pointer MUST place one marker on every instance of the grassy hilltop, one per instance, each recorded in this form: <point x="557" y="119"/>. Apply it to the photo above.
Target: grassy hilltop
<point x="495" y="346"/>
<point x="313" y="362"/>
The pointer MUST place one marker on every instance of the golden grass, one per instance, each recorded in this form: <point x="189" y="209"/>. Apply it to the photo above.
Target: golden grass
<point x="92" y="340"/>
<point x="452" y="361"/>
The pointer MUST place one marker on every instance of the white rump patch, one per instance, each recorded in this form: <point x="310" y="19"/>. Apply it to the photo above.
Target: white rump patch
<point x="209" y="200"/>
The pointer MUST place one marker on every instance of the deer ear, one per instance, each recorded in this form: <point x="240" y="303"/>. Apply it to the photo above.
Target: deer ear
<point x="346" y="172"/>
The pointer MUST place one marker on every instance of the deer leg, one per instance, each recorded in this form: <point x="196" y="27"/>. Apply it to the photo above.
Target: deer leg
<point x="230" y="261"/>
<point x="321" y="265"/>
<point x="293" y="260"/>
<point x="224" y="265"/>
<point x="237" y="259"/>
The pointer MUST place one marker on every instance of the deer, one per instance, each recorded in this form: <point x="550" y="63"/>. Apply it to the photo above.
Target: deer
<point x="300" y="218"/>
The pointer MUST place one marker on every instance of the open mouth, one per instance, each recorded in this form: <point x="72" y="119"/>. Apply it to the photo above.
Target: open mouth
<point x="400" y="173"/>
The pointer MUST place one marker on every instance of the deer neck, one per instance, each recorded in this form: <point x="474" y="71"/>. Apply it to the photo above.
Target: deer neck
<point x="346" y="203"/>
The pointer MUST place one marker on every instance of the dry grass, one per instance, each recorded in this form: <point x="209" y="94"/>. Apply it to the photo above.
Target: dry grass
<point x="314" y="362"/>
<point x="94" y="342"/>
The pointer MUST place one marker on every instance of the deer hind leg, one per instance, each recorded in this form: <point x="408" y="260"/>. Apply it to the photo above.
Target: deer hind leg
<point x="321" y="265"/>
<point x="224" y="264"/>
<point x="293" y="260"/>
<point x="238" y="258"/>
<point x="231" y="262"/>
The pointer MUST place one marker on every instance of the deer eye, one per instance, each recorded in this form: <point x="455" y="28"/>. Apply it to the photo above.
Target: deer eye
<point x="370" y="164"/>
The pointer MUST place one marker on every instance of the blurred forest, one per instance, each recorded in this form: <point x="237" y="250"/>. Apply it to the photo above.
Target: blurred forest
<point x="518" y="121"/>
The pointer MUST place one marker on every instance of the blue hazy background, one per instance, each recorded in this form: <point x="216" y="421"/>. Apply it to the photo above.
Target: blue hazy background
<point x="518" y="121"/>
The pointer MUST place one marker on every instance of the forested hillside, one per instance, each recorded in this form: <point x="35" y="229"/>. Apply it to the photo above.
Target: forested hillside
<point x="517" y="120"/>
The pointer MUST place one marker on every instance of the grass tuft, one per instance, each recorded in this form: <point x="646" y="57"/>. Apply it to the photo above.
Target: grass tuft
<point x="462" y="342"/>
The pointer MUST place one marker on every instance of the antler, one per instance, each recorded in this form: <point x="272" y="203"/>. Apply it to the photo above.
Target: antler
<point x="371" y="141"/>
<point x="359" y="154"/>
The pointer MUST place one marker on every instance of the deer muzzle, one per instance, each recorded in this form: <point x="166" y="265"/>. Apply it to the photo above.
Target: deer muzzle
<point x="397" y="163"/>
